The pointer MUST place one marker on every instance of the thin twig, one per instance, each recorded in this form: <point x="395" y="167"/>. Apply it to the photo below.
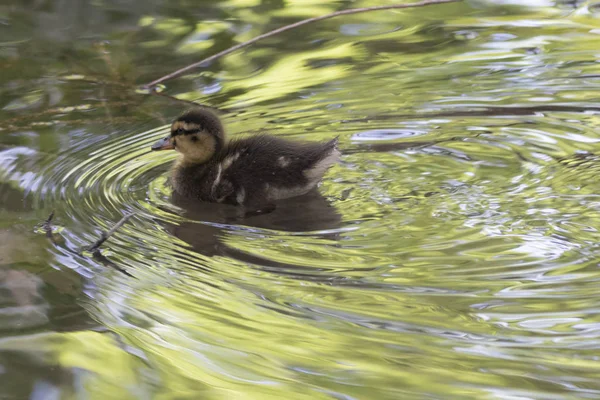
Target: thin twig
<point x="47" y="225"/>
<point x="189" y="102"/>
<point x="288" y="27"/>
<point x="98" y="256"/>
<point x="105" y="235"/>
<point x="95" y="248"/>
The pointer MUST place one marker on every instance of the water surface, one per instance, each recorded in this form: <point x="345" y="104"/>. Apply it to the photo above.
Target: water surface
<point x="453" y="253"/>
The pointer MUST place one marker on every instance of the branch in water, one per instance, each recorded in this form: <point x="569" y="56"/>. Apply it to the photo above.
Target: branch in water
<point x="288" y="27"/>
<point x="105" y="235"/>
<point x="189" y="102"/>
<point x="94" y="248"/>
<point x="98" y="256"/>
<point x="47" y="226"/>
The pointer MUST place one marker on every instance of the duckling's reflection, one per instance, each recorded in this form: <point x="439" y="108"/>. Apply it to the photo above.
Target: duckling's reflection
<point x="308" y="213"/>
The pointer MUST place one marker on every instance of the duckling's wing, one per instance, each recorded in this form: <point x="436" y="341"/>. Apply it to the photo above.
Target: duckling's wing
<point x="266" y="168"/>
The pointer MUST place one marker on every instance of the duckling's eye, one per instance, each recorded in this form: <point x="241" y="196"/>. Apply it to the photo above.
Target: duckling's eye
<point x="194" y="138"/>
<point x="180" y="131"/>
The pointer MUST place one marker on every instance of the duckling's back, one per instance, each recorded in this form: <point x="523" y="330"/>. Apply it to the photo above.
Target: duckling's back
<point x="261" y="169"/>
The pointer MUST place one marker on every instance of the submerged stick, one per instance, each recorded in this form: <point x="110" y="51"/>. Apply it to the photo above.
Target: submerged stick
<point x="192" y="103"/>
<point x="47" y="226"/>
<point x="94" y="248"/>
<point x="98" y="256"/>
<point x="288" y="27"/>
<point x="105" y="235"/>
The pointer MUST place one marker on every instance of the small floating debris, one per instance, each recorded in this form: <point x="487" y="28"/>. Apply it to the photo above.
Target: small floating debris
<point x="387" y="134"/>
<point x="151" y="89"/>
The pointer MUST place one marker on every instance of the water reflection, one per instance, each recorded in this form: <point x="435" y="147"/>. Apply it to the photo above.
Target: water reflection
<point x="23" y="305"/>
<point x="451" y="254"/>
<point x="207" y="223"/>
<point x="27" y="376"/>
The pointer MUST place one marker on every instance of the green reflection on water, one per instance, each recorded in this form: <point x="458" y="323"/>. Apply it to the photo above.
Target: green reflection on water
<point x="451" y="254"/>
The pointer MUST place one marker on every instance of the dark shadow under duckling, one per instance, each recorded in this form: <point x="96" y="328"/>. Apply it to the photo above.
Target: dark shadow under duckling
<point x="208" y="231"/>
<point x="253" y="172"/>
<point x="208" y="223"/>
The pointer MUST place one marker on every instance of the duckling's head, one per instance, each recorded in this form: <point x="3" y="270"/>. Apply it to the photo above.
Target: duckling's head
<point x="197" y="134"/>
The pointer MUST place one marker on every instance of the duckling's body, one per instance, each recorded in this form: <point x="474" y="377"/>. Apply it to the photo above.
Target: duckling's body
<point x="252" y="171"/>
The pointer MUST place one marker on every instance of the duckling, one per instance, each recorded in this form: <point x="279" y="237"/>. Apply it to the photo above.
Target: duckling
<point x="251" y="172"/>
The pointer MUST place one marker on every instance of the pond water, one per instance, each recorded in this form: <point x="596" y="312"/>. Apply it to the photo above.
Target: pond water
<point x="452" y="253"/>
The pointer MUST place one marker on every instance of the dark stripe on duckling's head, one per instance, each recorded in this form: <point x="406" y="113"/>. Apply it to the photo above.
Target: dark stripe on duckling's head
<point x="198" y="120"/>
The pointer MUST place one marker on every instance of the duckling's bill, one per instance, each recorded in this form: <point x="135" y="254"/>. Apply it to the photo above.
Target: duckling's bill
<point x="163" y="144"/>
